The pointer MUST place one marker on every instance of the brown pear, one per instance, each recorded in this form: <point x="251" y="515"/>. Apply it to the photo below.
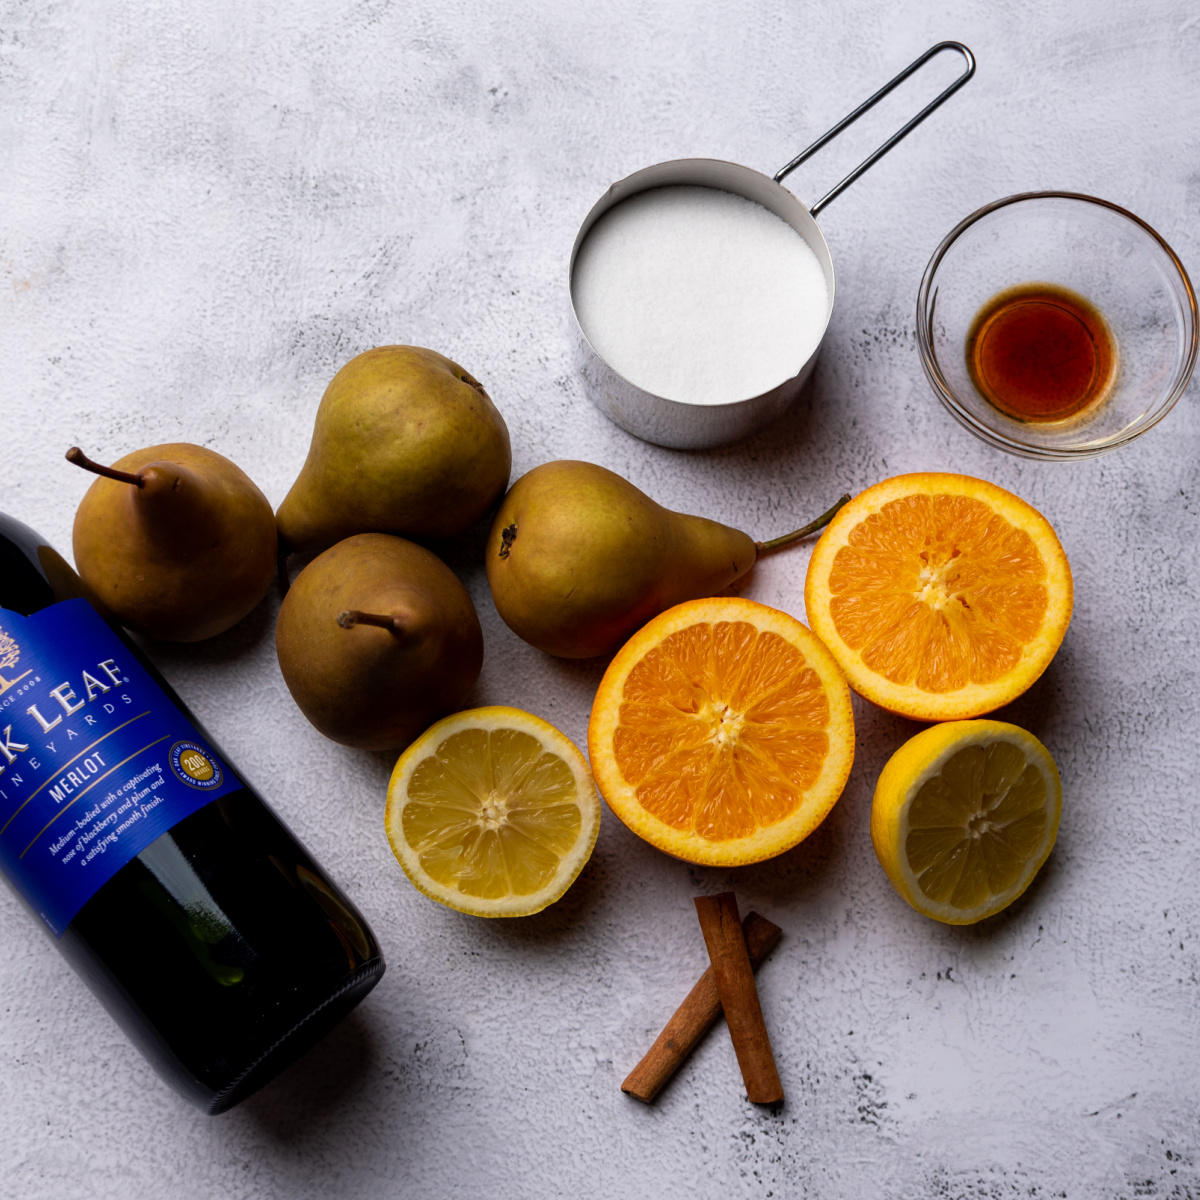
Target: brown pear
<point x="174" y="540"/>
<point x="578" y="558"/>
<point x="405" y="442"/>
<point x="377" y="639"/>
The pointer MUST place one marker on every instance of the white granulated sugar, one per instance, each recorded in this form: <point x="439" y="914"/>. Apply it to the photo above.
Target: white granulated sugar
<point x="699" y="295"/>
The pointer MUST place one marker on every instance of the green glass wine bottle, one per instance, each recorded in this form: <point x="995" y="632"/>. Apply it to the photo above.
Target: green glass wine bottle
<point x="203" y="926"/>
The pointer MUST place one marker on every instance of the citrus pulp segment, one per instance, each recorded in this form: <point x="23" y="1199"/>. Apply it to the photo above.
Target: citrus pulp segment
<point x="722" y="732"/>
<point x="492" y="812"/>
<point x="941" y="596"/>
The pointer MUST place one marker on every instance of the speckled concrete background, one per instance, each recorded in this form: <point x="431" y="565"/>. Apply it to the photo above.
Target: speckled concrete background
<point x="208" y="207"/>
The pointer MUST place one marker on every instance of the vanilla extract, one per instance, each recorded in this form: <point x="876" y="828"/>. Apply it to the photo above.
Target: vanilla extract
<point x="1041" y="353"/>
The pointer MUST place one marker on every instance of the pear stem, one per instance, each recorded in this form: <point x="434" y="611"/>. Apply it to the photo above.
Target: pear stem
<point x="788" y="538"/>
<point x="77" y="456"/>
<point x="352" y="617"/>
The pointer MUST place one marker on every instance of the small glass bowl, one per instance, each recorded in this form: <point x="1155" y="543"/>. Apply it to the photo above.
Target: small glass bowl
<point x="1092" y="248"/>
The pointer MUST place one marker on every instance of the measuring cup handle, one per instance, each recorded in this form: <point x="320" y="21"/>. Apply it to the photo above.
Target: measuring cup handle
<point x="867" y="163"/>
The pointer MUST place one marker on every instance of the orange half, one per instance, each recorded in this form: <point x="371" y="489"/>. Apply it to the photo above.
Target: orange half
<point x="722" y="732"/>
<point x="942" y="597"/>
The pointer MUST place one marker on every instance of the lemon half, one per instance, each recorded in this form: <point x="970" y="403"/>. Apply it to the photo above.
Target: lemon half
<point x="964" y="815"/>
<point x="492" y="812"/>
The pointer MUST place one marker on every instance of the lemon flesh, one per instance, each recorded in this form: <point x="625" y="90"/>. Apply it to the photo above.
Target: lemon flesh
<point x="964" y="815"/>
<point x="492" y="812"/>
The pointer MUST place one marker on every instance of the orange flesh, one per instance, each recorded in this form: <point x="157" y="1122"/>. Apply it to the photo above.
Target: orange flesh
<point x="722" y="729"/>
<point x="938" y="591"/>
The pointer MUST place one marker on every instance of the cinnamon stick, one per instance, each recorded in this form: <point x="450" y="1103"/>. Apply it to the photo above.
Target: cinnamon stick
<point x="739" y="997"/>
<point x="694" y="1017"/>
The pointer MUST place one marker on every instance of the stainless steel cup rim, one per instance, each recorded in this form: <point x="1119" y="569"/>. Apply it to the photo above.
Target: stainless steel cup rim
<point x="686" y="425"/>
<point x="721" y="175"/>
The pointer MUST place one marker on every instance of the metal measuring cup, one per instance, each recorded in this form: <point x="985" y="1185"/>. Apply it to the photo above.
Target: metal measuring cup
<point x="684" y="426"/>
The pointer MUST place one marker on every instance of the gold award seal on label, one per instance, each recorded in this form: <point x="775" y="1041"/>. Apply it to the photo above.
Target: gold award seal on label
<point x="195" y="766"/>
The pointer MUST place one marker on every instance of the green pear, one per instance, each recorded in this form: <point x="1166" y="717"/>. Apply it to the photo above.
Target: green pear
<point x="578" y="558"/>
<point x="377" y="639"/>
<point x="405" y="441"/>
<point x="174" y="540"/>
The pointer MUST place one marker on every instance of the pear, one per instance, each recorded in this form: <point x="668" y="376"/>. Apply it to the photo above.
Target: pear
<point x="578" y="558"/>
<point x="377" y="639"/>
<point x="174" y="540"/>
<point x="405" y="441"/>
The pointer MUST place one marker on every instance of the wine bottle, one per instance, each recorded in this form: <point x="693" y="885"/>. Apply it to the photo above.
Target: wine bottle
<point x="200" y="922"/>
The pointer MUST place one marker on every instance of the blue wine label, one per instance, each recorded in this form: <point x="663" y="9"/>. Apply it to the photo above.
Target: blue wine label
<point x="96" y="761"/>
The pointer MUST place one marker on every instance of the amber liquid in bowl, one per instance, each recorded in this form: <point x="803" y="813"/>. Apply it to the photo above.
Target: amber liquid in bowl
<point x="1041" y="353"/>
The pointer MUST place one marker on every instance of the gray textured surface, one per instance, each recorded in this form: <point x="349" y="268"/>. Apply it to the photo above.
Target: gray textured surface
<point x="208" y="207"/>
